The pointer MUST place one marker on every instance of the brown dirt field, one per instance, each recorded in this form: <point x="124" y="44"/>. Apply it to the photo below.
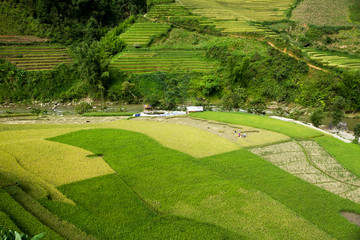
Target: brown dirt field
<point x="352" y="217"/>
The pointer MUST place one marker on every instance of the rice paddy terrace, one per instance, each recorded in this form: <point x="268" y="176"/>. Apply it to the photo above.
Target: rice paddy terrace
<point x="235" y="16"/>
<point x="335" y="60"/>
<point x="147" y="60"/>
<point x="35" y="57"/>
<point x="176" y="179"/>
<point x="141" y="34"/>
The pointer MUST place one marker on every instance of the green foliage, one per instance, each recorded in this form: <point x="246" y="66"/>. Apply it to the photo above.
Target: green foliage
<point x="14" y="235"/>
<point x="83" y="108"/>
<point x="354" y="12"/>
<point x="233" y="99"/>
<point x="257" y="106"/>
<point x="350" y="90"/>
<point x="317" y="116"/>
<point x="207" y="86"/>
<point x="17" y="85"/>
<point x="92" y="63"/>
<point x="38" y="111"/>
<point x="67" y="22"/>
<point x="357" y="131"/>
<point x="337" y="112"/>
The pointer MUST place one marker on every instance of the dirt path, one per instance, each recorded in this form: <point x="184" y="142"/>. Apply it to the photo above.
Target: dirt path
<point x="293" y="56"/>
<point x="280" y="50"/>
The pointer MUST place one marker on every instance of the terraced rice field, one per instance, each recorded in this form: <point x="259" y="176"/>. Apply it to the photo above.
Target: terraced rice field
<point x="35" y="57"/>
<point x="142" y="33"/>
<point x="310" y="162"/>
<point x="234" y="16"/>
<point x="330" y="59"/>
<point x="146" y="61"/>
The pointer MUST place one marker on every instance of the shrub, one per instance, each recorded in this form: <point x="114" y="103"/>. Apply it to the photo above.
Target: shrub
<point x="337" y="110"/>
<point x="357" y="132"/>
<point x="317" y="116"/>
<point x="257" y="106"/>
<point x="83" y="108"/>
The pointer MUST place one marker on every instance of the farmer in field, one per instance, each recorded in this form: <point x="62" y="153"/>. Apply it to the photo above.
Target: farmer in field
<point x="244" y="135"/>
<point x="239" y="135"/>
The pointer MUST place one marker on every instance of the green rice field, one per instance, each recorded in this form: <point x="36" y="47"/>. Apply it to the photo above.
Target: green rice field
<point x="35" y="57"/>
<point x="234" y="16"/>
<point x="335" y="60"/>
<point x="157" y="180"/>
<point x="146" y="61"/>
<point x="142" y="33"/>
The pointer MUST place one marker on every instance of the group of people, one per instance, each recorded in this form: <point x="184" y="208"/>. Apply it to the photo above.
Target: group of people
<point x="239" y="135"/>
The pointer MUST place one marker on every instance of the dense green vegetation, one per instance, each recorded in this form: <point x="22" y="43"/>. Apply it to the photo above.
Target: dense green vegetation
<point x="231" y="72"/>
<point x="69" y="21"/>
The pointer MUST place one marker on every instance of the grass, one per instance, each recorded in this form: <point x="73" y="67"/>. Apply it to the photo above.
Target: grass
<point x="237" y="191"/>
<point x="65" y="229"/>
<point x="34" y="57"/>
<point x="161" y="60"/>
<point x="25" y="221"/>
<point x="124" y="215"/>
<point x="6" y="222"/>
<point x="292" y="130"/>
<point x="347" y="154"/>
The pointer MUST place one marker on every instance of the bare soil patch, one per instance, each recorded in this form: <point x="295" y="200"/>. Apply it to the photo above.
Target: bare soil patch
<point x="352" y="217"/>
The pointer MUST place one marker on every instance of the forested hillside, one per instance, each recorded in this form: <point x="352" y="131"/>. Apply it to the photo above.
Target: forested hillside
<point x="167" y="53"/>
